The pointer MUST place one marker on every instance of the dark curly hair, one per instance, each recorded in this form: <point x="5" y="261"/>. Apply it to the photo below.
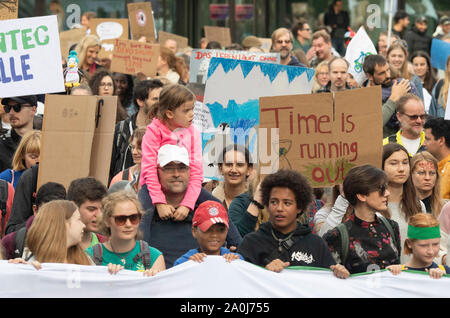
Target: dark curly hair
<point x="96" y="79"/>
<point x="292" y="180"/>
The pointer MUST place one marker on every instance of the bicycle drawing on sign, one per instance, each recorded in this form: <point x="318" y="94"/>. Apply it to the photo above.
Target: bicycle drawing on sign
<point x="359" y="62"/>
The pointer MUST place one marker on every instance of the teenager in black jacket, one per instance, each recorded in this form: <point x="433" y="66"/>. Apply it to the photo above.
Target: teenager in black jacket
<point x="283" y="241"/>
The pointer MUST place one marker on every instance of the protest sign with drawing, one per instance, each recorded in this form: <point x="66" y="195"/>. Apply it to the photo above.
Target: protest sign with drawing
<point x="324" y="135"/>
<point x="108" y="30"/>
<point x="132" y="57"/>
<point x="359" y="47"/>
<point x="199" y="64"/>
<point x="141" y="20"/>
<point x="232" y="93"/>
<point x="30" y="57"/>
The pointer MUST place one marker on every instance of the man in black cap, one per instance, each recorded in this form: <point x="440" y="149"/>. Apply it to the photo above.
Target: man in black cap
<point x="21" y="111"/>
<point x="443" y="29"/>
<point x="401" y="22"/>
<point x="417" y="38"/>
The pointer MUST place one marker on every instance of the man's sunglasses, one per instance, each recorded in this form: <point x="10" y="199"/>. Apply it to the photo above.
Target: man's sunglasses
<point x="415" y="117"/>
<point x="17" y="107"/>
<point x="120" y="220"/>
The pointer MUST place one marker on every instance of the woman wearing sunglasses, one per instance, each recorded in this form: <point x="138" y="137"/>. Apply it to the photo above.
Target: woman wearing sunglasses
<point x="367" y="239"/>
<point x="122" y="213"/>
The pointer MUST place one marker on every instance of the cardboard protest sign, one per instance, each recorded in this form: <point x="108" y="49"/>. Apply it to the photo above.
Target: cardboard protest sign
<point x="69" y="38"/>
<point x="132" y="57"/>
<point x="9" y="9"/>
<point x="440" y="50"/>
<point x="359" y="47"/>
<point x="219" y="34"/>
<point x="182" y="42"/>
<point x="320" y="136"/>
<point x="108" y="30"/>
<point x="141" y="20"/>
<point x="82" y="127"/>
<point x="198" y="70"/>
<point x="30" y="57"/>
<point x="232" y="93"/>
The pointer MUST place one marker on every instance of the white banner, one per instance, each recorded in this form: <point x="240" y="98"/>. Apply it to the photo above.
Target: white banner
<point x="214" y="278"/>
<point x="30" y="57"/>
<point x="359" y="47"/>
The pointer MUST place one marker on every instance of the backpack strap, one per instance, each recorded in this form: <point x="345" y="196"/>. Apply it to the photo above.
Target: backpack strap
<point x="389" y="228"/>
<point x="97" y="253"/>
<point x="345" y="242"/>
<point x="126" y="174"/>
<point x="3" y="201"/>
<point x="19" y="242"/>
<point x="285" y="246"/>
<point x="144" y="254"/>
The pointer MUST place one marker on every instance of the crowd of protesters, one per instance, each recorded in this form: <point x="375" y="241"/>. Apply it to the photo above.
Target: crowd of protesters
<point x="158" y="211"/>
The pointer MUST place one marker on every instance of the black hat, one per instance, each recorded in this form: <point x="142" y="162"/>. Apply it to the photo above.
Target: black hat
<point x="420" y="19"/>
<point x="444" y="20"/>
<point x="30" y="99"/>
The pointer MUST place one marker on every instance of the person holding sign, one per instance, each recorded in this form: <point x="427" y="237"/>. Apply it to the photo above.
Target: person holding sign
<point x="283" y="241"/>
<point x="87" y="51"/>
<point x="367" y="239"/>
<point x="423" y="243"/>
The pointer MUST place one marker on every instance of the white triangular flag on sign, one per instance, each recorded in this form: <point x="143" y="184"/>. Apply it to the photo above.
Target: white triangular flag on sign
<point x="358" y="48"/>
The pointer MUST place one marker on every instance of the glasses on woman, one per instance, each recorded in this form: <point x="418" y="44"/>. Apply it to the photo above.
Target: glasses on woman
<point x="120" y="220"/>
<point x="106" y="85"/>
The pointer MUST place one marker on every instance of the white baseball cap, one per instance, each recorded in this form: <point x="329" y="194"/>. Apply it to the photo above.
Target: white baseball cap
<point x="169" y="153"/>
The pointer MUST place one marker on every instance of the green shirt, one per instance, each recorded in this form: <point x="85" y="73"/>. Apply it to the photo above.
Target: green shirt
<point x="111" y="257"/>
<point x="94" y="240"/>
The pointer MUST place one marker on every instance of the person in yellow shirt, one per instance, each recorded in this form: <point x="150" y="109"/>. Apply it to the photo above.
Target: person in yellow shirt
<point x="437" y="142"/>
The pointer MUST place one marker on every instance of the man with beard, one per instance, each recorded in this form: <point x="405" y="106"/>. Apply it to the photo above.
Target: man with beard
<point x="411" y="115"/>
<point x="21" y="111"/>
<point x="417" y="38"/>
<point x="337" y="67"/>
<point x="146" y="94"/>
<point x="282" y="42"/>
<point x="378" y="72"/>
<point x="322" y="48"/>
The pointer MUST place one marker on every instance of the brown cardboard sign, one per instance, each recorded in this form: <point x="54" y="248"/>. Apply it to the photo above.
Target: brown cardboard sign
<point x="132" y="57"/>
<point x="323" y="135"/>
<point x="69" y="38"/>
<point x="108" y="30"/>
<point x="140" y="16"/>
<point x="182" y="42"/>
<point x="219" y="34"/>
<point x="77" y="137"/>
<point x="9" y="9"/>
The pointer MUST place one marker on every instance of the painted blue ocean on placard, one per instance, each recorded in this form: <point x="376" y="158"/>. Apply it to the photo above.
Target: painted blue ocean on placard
<point x="232" y="95"/>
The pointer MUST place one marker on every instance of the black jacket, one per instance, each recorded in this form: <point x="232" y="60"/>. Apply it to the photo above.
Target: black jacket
<point x="417" y="41"/>
<point x="121" y="154"/>
<point x="308" y="249"/>
<point x="338" y="22"/>
<point x="9" y="141"/>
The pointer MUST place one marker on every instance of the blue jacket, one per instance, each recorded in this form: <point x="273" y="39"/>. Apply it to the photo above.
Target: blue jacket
<point x="174" y="238"/>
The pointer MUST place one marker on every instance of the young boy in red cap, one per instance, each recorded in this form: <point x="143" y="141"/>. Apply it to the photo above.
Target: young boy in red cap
<point x="210" y="229"/>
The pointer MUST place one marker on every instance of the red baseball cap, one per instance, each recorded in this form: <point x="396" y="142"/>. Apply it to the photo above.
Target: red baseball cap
<point x="209" y="213"/>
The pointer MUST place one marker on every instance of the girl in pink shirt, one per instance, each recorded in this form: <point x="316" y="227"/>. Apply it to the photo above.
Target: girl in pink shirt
<point x="172" y="125"/>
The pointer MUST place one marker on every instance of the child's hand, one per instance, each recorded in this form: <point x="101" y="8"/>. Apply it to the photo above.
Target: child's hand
<point x="181" y="213"/>
<point x="152" y="272"/>
<point x="35" y="264"/>
<point x="277" y="265"/>
<point x="165" y="211"/>
<point x="114" y="268"/>
<point x="340" y="271"/>
<point x="395" y="269"/>
<point x="230" y="257"/>
<point x="435" y="273"/>
<point x="197" y="257"/>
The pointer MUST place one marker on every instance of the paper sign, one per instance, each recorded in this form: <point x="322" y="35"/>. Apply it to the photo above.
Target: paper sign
<point x="447" y="108"/>
<point x="182" y="42"/>
<point x="219" y="34"/>
<point x="440" y="50"/>
<point x="322" y="136"/>
<point x="31" y="63"/>
<point x="108" y="30"/>
<point x="9" y="9"/>
<point x="140" y="16"/>
<point x="359" y="47"/>
<point x="200" y="59"/>
<point x="69" y="38"/>
<point x="232" y="93"/>
<point x="82" y="127"/>
<point x="132" y="57"/>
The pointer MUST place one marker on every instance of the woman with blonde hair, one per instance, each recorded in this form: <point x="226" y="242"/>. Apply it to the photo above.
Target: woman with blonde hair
<point x="440" y="93"/>
<point x="122" y="213"/>
<point x="171" y="67"/>
<point x="26" y="155"/>
<point x="422" y="243"/>
<point x="321" y="76"/>
<point x="88" y="50"/>
<point x="425" y="176"/>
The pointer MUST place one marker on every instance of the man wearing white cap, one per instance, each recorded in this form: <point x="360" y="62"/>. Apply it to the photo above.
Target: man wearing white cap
<point x="173" y="238"/>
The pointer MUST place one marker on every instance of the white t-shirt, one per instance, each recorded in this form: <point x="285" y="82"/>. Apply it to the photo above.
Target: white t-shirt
<point x="412" y="145"/>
